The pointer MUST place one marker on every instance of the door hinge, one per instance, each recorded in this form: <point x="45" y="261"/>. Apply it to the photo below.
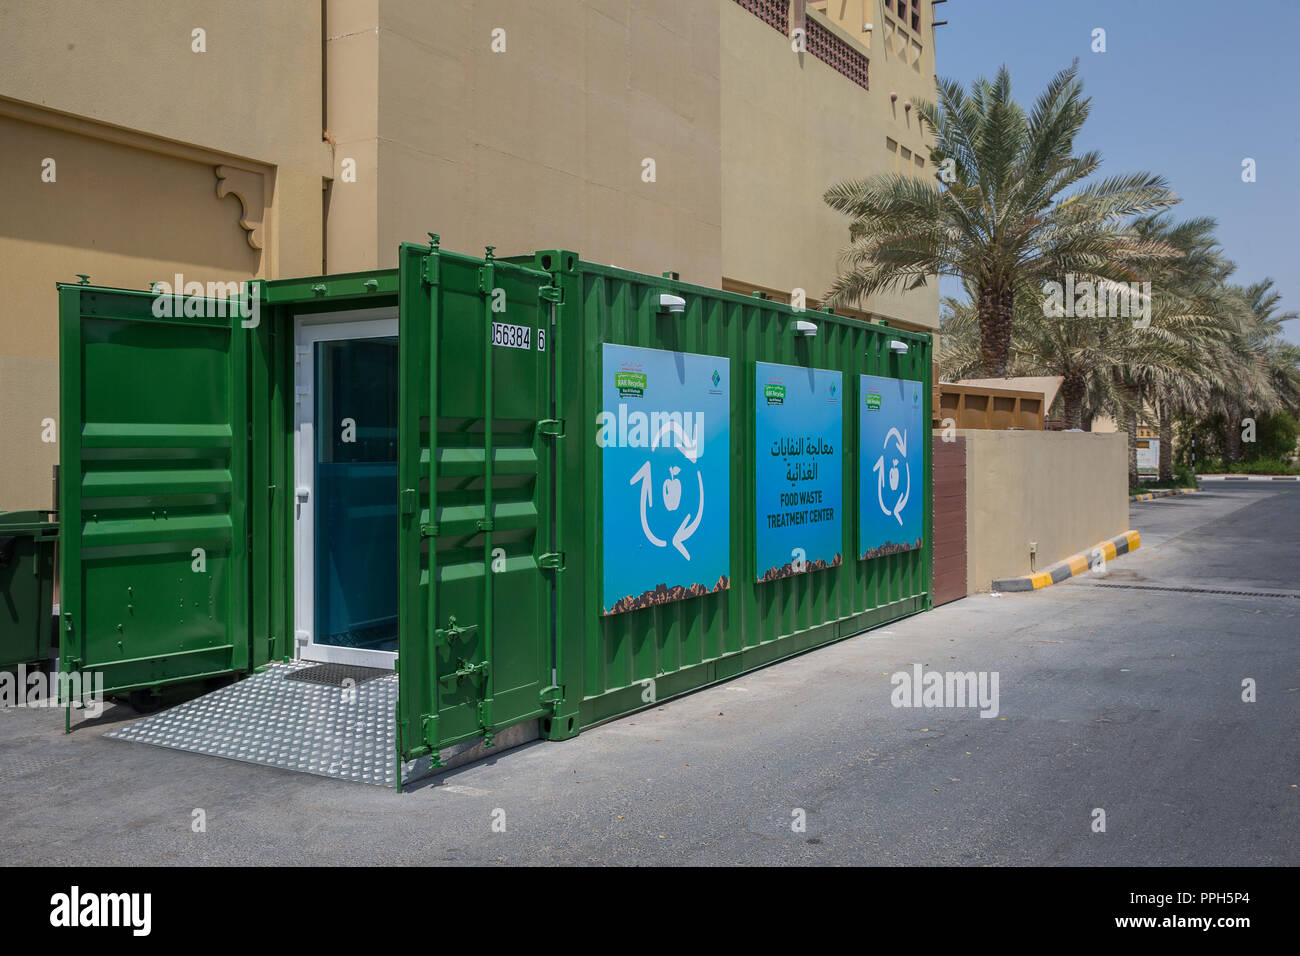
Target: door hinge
<point x="552" y="559"/>
<point x="551" y="696"/>
<point x="551" y="293"/>
<point x="409" y="501"/>
<point x="551" y="426"/>
<point x="452" y="632"/>
<point x="430" y="275"/>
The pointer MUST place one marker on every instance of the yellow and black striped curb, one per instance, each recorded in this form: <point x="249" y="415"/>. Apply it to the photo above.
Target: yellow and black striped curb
<point x="1074" y="564"/>
<point x="1165" y="493"/>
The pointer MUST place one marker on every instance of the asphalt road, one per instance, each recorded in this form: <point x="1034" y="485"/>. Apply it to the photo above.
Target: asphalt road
<point x="1120" y="699"/>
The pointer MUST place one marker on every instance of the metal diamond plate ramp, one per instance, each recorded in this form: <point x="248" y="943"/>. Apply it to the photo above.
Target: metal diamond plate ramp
<point x="343" y="732"/>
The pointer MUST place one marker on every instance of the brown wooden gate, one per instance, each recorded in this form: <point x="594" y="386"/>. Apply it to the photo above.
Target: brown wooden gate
<point x="949" y="520"/>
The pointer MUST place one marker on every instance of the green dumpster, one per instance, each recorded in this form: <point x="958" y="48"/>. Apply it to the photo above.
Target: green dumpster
<point x="26" y="586"/>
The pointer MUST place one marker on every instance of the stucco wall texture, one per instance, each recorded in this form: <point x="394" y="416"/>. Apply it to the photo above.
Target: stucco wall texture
<point x="1064" y="490"/>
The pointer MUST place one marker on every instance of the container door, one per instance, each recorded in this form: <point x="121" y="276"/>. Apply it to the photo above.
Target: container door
<point x="475" y="478"/>
<point x="154" y="489"/>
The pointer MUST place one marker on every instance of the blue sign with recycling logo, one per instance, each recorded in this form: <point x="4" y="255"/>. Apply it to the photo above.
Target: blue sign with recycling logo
<point x="891" y="477"/>
<point x="664" y="434"/>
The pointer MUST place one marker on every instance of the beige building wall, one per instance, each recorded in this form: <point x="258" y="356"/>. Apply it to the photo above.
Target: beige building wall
<point x="310" y="136"/>
<point x="113" y="130"/>
<point x="540" y="143"/>
<point x="792" y="126"/>
<point x="529" y="125"/>
<point x="1067" y="491"/>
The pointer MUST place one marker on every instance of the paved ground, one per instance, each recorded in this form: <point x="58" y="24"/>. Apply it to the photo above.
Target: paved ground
<point x="1121" y="699"/>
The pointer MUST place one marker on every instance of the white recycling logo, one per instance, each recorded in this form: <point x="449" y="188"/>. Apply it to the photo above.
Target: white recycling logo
<point x="671" y="489"/>
<point x="893" y="475"/>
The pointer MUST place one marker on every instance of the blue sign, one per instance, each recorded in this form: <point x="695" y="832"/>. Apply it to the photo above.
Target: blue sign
<point x="665" y="436"/>
<point x="799" y="474"/>
<point x="891" y="476"/>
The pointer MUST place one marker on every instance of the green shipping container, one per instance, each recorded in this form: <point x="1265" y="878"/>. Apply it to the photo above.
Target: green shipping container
<point x="533" y="485"/>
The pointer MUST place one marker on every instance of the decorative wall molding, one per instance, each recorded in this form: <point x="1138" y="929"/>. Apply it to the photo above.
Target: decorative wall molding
<point x="249" y="179"/>
<point x="250" y="189"/>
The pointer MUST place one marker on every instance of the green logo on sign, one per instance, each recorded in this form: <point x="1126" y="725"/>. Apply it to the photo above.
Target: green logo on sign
<point x="631" y="384"/>
<point x="873" y="401"/>
<point x="775" y="394"/>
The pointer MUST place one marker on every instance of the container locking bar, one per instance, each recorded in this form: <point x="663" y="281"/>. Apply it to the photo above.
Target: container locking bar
<point x="464" y="670"/>
<point x="487" y="279"/>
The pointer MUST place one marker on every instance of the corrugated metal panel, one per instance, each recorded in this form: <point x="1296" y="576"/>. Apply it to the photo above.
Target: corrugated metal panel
<point x="154" y="464"/>
<point x="475" y="512"/>
<point x="692" y="642"/>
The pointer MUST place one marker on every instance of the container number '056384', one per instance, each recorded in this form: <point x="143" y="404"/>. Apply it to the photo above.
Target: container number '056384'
<point x="512" y="336"/>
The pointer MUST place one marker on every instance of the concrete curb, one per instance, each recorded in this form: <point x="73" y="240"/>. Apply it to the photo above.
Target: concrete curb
<point x="1163" y="493"/>
<point x="1074" y="564"/>
<point x="1247" y="478"/>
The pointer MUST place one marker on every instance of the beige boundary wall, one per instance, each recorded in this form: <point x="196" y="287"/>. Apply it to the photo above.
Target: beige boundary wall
<point x="1064" y="490"/>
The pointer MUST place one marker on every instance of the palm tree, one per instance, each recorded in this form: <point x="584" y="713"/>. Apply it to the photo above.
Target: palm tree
<point x="997" y="213"/>
<point x="1194" y="314"/>
<point x="1268" y="367"/>
<point x="1162" y="360"/>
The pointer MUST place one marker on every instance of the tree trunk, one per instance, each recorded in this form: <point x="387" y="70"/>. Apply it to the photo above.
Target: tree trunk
<point x="1072" y="392"/>
<point x="1166" y="443"/>
<point x="1133" y="480"/>
<point x="1232" y="438"/>
<point x="995" y="309"/>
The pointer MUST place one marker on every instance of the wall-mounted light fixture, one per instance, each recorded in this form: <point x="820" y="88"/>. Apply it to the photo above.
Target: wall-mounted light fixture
<point x="802" y="327"/>
<point x="671" y="303"/>
<point x="897" y="347"/>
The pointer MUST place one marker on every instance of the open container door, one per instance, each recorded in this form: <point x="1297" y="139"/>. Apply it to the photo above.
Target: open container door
<point x="477" y="564"/>
<point x="154" y="490"/>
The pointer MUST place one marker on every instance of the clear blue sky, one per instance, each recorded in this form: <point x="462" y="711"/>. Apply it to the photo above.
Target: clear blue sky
<point x="1186" y="89"/>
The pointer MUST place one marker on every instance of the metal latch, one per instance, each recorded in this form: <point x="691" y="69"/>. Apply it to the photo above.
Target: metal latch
<point x="465" y="669"/>
<point x="551" y="293"/>
<point x="551" y="426"/>
<point x="452" y="632"/>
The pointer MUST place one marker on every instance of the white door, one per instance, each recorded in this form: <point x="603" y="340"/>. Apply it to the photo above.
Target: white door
<point x="345" y="487"/>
